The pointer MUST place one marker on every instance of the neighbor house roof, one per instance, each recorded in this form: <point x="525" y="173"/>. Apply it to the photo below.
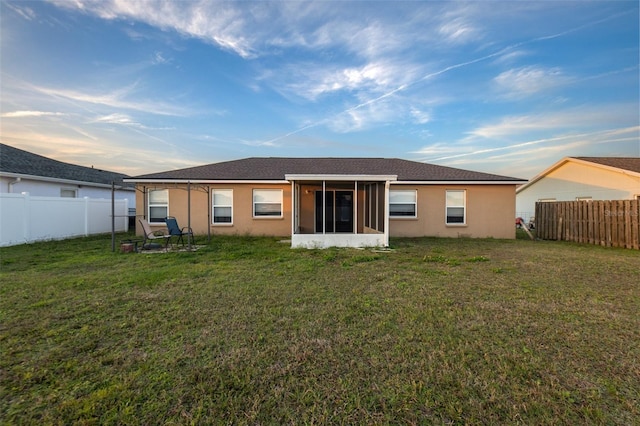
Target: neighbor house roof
<point x="627" y="165"/>
<point x="16" y="162"/>
<point x="631" y="164"/>
<point x="276" y="168"/>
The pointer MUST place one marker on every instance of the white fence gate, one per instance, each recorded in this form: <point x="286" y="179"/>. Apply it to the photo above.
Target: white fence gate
<point x="25" y="219"/>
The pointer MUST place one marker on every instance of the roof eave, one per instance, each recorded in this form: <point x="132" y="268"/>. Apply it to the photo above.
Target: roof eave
<point x="341" y="177"/>
<point x="64" y="181"/>
<point x="460" y="182"/>
<point x="206" y="181"/>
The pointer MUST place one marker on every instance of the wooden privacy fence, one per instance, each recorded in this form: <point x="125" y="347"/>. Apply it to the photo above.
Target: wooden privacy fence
<point x="607" y="223"/>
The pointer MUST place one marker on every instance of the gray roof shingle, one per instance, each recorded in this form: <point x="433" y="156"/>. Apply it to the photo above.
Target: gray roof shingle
<point x="275" y="168"/>
<point x="631" y="164"/>
<point x="14" y="160"/>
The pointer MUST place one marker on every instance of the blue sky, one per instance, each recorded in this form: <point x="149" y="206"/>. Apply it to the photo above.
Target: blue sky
<point x="147" y="86"/>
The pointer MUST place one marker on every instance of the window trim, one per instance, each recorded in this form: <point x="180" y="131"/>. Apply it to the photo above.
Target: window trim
<point x="68" y="191"/>
<point x="150" y="204"/>
<point x="415" y="204"/>
<point x="253" y="203"/>
<point x="213" y="207"/>
<point x="464" y="208"/>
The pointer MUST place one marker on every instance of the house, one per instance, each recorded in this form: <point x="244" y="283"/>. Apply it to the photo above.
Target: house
<point x="324" y="202"/>
<point x="581" y="178"/>
<point x="22" y="171"/>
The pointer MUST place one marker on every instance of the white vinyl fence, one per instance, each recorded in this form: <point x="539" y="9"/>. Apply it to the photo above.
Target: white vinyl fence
<point x="25" y="219"/>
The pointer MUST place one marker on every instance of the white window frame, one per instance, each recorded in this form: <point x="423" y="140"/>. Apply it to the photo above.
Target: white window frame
<point x="587" y="198"/>
<point x="546" y="200"/>
<point x="214" y="206"/>
<point x="463" y="206"/>
<point x="393" y="192"/>
<point x="156" y="204"/>
<point x="267" y="216"/>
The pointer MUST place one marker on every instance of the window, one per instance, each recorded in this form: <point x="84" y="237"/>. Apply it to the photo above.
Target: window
<point x="546" y="200"/>
<point x="267" y="203"/>
<point x="222" y="206"/>
<point x="456" y="207"/>
<point x="158" y="205"/>
<point x="403" y="203"/>
<point x="68" y="193"/>
<point x="584" y="198"/>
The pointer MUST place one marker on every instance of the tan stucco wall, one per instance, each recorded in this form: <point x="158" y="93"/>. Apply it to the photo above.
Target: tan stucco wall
<point x="490" y="211"/>
<point x="243" y="221"/>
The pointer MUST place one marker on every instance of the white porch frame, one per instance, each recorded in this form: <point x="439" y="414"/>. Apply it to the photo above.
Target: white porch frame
<point x="348" y="239"/>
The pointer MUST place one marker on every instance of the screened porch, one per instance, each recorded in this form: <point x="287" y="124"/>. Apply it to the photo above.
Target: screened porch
<point x="340" y="211"/>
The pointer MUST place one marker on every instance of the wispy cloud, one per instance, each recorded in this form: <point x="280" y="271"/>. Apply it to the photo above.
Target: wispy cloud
<point x="589" y="138"/>
<point x="25" y="11"/>
<point x="218" y="23"/>
<point x="573" y="118"/>
<point x="526" y="81"/>
<point x="118" y="98"/>
<point x="457" y="27"/>
<point x="116" y="118"/>
<point x="28" y="114"/>
<point x="312" y="81"/>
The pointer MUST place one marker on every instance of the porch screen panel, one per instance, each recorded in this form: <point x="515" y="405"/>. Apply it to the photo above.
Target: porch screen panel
<point x="381" y="206"/>
<point x="328" y="214"/>
<point x="367" y="205"/>
<point x="374" y="207"/>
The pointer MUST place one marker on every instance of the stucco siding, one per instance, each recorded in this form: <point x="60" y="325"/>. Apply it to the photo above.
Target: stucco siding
<point x="243" y="221"/>
<point x="490" y="211"/>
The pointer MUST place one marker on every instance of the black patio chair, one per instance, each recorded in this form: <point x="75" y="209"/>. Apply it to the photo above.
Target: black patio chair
<point x="176" y="231"/>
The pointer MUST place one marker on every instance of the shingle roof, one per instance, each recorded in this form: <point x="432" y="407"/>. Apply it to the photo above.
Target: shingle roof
<point x="631" y="164"/>
<point x="14" y="160"/>
<point x="275" y="168"/>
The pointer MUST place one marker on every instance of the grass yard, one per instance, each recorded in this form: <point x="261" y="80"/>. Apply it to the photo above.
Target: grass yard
<point x="249" y="331"/>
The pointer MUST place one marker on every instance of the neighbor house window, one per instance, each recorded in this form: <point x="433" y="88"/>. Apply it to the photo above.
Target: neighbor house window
<point x="68" y="193"/>
<point x="158" y="205"/>
<point x="456" y="207"/>
<point x="403" y="203"/>
<point x="546" y="200"/>
<point x="222" y="206"/>
<point x="267" y="203"/>
<point x="584" y="198"/>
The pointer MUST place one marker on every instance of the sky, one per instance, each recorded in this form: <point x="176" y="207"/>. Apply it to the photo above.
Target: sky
<point x="149" y="86"/>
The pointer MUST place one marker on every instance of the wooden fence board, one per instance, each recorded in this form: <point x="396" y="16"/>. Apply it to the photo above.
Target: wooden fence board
<point x="607" y="223"/>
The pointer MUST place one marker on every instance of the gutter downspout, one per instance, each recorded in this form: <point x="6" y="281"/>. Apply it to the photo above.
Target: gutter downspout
<point x="16" y="180"/>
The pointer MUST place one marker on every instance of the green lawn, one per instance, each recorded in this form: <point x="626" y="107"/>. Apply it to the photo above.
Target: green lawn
<point x="249" y="331"/>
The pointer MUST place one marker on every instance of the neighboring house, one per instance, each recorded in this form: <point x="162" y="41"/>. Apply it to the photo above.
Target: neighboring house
<point x="581" y="178"/>
<point x="22" y="171"/>
<point x="324" y="202"/>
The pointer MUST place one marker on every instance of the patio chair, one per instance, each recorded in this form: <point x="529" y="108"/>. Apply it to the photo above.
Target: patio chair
<point x="176" y="231"/>
<point x="150" y="235"/>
